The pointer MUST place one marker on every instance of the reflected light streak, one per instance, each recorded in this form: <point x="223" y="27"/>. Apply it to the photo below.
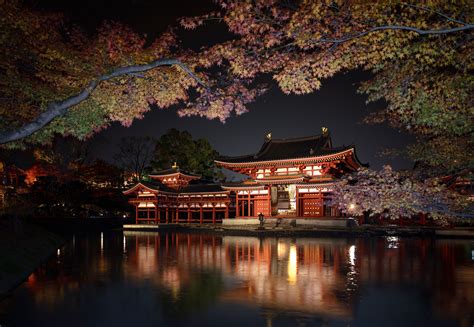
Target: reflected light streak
<point x="292" y="265"/>
<point x="281" y="250"/>
<point x="124" y="244"/>
<point x="352" y="255"/>
<point x="393" y="242"/>
<point x="101" y="242"/>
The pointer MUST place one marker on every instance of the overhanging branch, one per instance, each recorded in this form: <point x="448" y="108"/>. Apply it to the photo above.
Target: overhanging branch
<point x="58" y="108"/>
<point x="419" y="31"/>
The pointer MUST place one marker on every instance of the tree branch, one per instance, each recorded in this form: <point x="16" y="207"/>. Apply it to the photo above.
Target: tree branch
<point x="58" y="108"/>
<point x="465" y="27"/>
<point x="398" y="27"/>
<point x="435" y="12"/>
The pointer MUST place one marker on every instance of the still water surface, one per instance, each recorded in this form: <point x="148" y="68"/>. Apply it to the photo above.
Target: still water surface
<point x="185" y="279"/>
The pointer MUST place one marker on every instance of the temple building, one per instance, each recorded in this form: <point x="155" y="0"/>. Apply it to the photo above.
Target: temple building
<point x="176" y="196"/>
<point x="286" y="178"/>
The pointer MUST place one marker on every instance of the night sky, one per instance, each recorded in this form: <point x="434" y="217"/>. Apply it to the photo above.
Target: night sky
<point x="336" y="106"/>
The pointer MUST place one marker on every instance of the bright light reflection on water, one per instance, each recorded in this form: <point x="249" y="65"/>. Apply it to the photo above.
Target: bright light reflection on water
<point x="292" y="265"/>
<point x="185" y="279"/>
<point x="392" y="242"/>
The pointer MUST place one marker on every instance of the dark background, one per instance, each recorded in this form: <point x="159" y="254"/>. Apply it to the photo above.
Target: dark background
<point x="336" y="106"/>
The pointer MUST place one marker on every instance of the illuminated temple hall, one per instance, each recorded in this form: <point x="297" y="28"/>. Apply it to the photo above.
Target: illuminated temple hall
<point x="286" y="178"/>
<point x="174" y="196"/>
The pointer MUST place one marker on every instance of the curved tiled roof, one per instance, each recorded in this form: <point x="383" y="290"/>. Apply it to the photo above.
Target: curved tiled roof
<point x="151" y="185"/>
<point x="172" y="171"/>
<point x="198" y="187"/>
<point x="280" y="149"/>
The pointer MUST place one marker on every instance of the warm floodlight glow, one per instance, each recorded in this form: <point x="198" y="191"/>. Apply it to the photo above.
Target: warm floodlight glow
<point x="352" y="206"/>
<point x="292" y="264"/>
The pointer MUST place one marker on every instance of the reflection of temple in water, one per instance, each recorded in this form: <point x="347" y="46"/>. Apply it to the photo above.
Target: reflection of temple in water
<point x="313" y="276"/>
<point x="282" y="274"/>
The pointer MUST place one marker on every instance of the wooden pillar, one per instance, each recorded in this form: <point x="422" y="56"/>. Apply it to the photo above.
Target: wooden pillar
<point x="136" y="214"/>
<point x="248" y="206"/>
<point x="226" y="210"/>
<point x="200" y="213"/>
<point x="166" y="214"/>
<point x="189" y="214"/>
<point x="269" y="201"/>
<point x="237" y="204"/>
<point x="156" y="214"/>
<point x="213" y="213"/>
<point x="297" y="203"/>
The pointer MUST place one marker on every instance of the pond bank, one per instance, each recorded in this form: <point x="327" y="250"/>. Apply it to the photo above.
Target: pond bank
<point x="359" y="231"/>
<point x="23" y="247"/>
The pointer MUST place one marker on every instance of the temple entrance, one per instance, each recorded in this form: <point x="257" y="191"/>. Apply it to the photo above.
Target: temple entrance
<point x="283" y="200"/>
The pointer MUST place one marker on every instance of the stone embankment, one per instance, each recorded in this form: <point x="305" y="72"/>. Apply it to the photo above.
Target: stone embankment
<point x="311" y="231"/>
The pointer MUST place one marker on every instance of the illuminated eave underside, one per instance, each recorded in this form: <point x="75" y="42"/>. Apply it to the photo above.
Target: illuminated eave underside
<point x="282" y="179"/>
<point x="242" y="187"/>
<point x="311" y="185"/>
<point x="279" y="162"/>
<point x="138" y="186"/>
<point x="184" y="194"/>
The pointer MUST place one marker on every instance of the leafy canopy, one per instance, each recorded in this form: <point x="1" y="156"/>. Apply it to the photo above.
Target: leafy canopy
<point x="58" y="80"/>
<point x="194" y="156"/>
<point x="420" y="56"/>
<point x="398" y="195"/>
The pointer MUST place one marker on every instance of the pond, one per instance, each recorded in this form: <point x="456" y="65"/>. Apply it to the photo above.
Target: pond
<point x="197" y="279"/>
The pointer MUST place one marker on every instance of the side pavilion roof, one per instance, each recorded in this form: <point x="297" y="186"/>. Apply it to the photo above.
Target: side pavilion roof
<point x="174" y="171"/>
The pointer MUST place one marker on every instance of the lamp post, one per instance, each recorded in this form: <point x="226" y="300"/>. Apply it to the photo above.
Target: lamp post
<point x="261" y="219"/>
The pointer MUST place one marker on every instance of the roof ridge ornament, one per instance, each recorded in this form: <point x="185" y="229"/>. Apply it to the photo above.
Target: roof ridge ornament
<point x="175" y="165"/>
<point x="325" y="131"/>
<point x="268" y="137"/>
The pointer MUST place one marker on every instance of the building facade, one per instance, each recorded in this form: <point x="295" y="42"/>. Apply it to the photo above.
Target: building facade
<point x="176" y="196"/>
<point x="286" y="178"/>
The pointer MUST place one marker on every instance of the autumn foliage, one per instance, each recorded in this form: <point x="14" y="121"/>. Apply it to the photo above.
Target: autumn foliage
<point x="58" y="80"/>
<point x="78" y="85"/>
<point x="419" y="54"/>
<point x="395" y="195"/>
